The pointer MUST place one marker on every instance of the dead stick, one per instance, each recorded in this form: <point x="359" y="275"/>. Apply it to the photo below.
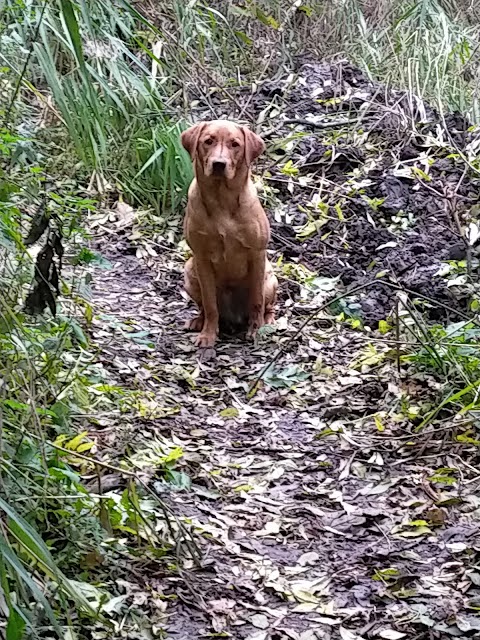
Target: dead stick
<point x="313" y="315"/>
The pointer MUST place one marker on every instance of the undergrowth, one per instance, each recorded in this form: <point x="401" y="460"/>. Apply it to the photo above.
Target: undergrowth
<point x="92" y="105"/>
<point x="428" y="47"/>
<point x="52" y="389"/>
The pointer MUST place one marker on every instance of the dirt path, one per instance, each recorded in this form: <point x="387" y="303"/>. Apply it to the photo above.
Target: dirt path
<point x="321" y="509"/>
<point x="316" y="520"/>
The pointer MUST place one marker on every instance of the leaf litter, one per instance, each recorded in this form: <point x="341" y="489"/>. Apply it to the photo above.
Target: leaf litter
<point x="322" y="511"/>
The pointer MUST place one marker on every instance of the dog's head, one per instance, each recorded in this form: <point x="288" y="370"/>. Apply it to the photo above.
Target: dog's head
<point x="220" y="148"/>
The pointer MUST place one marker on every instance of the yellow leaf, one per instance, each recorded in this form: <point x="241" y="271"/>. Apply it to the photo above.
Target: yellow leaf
<point x="230" y="412"/>
<point x="378" y="422"/>
<point x="243" y="487"/>
<point x="74" y="443"/>
<point x="86" y="446"/>
<point x="384" y="327"/>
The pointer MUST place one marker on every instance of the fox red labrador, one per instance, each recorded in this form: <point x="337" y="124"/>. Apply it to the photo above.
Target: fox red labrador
<point x="229" y="275"/>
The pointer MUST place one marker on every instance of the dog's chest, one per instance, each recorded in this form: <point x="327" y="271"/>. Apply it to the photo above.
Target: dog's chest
<point x="229" y="239"/>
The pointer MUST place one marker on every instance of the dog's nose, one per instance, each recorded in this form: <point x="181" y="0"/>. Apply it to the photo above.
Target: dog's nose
<point x="219" y="167"/>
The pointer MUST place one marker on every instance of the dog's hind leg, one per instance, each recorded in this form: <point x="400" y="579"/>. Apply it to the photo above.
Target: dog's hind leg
<point x="192" y="287"/>
<point x="271" y="286"/>
<point x="195" y="324"/>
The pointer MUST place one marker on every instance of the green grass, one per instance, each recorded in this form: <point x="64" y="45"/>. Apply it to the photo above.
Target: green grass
<point x="108" y="96"/>
<point x="49" y="377"/>
<point x="425" y="47"/>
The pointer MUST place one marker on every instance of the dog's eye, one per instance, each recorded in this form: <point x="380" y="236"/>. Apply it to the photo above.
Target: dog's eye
<point x="208" y="141"/>
<point x="235" y="144"/>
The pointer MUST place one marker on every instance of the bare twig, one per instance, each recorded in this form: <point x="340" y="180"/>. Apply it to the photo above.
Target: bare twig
<point x="349" y="292"/>
<point x="25" y="66"/>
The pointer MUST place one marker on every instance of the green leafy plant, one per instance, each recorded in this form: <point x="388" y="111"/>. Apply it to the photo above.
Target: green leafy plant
<point x="109" y="100"/>
<point x="48" y="374"/>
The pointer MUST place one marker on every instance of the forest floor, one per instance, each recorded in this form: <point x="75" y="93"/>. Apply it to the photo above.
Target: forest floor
<point x="334" y="502"/>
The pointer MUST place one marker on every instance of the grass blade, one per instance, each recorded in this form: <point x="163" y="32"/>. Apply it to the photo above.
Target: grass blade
<point x="68" y="15"/>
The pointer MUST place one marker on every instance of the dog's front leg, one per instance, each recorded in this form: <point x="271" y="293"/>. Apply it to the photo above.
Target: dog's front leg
<point x="206" y="277"/>
<point x="256" y="293"/>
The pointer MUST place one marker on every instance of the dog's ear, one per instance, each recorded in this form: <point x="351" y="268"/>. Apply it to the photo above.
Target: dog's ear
<point x="190" y="138"/>
<point x="254" y="146"/>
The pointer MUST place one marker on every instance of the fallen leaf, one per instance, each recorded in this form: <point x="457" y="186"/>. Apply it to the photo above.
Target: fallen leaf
<point x="346" y="634"/>
<point x="387" y="245"/>
<point x="309" y="558"/>
<point x="271" y="528"/>
<point x="223" y="605"/>
<point x="391" y="634"/>
<point x="348" y="381"/>
<point x="260" y="621"/>
<point x="456" y="547"/>
<point x="258" y="635"/>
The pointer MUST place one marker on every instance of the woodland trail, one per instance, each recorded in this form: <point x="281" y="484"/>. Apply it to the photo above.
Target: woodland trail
<point x="314" y="502"/>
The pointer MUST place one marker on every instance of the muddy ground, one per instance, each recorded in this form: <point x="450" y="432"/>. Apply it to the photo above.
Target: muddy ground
<point x="395" y="171"/>
<point x="312" y="522"/>
<point x="320" y="509"/>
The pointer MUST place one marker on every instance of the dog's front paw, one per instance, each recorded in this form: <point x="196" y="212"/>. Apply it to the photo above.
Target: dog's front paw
<point x="205" y="340"/>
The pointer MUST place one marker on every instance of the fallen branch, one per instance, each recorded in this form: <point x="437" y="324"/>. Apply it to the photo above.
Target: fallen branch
<point x="253" y="386"/>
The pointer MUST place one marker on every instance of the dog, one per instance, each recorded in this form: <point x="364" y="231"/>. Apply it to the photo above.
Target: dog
<point x="229" y="276"/>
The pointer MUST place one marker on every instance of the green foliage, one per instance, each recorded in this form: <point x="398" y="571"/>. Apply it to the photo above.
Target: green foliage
<point x="48" y="376"/>
<point x="284" y="378"/>
<point x="452" y="351"/>
<point x="110" y="85"/>
<point x="108" y="98"/>
<point x="160" y="170"/>
<point x="38" y="389"/>
<point x="426" y="47"/>
<point x="452" y="355"/>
